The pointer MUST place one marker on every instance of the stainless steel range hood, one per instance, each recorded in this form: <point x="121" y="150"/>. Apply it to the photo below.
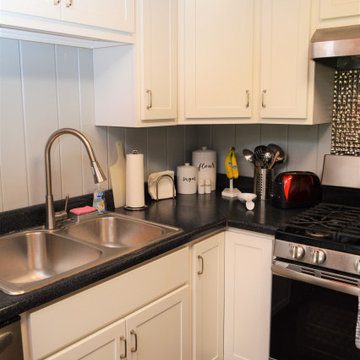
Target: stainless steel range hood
<point x="338" y="47"/>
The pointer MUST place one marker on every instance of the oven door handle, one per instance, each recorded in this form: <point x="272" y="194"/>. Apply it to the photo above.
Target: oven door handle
<point x="326" y="283"/>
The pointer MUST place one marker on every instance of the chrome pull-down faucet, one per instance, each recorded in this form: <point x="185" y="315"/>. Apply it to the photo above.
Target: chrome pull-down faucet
<point x="99" y="175"/>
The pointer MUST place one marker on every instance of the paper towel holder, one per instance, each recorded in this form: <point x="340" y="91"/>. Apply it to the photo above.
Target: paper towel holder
<point x="157" y="185"/>
<point x="135" y="208"/>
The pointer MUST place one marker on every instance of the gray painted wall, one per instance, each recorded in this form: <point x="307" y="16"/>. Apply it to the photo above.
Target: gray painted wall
<point x="45" y="87"/>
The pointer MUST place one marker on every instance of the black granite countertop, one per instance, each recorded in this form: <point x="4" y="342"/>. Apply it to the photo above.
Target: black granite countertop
<point x="197" y="215"/>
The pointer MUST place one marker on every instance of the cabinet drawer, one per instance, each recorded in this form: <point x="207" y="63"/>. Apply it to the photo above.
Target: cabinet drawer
<point x="66" y="321"/>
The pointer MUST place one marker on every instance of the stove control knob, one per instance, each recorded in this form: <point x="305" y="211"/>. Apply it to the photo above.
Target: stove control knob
<point x="318" y="257"/>
<point x="297" y="252"/>
<point x="357" y="265"/>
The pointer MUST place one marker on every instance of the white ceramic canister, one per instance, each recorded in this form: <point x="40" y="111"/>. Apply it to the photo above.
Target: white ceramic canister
<point x="186" y="179"/>
<point x="205" y="161"/>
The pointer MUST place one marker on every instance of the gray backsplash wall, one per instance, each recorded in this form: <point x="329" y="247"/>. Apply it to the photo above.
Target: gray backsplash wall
<point x="45" y="87"/>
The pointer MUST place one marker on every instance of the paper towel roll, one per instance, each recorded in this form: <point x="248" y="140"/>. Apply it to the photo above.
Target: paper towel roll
<point x="135" y="197"/>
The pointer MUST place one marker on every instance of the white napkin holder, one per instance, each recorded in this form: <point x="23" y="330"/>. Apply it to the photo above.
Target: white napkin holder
<point x="161" y="185"/>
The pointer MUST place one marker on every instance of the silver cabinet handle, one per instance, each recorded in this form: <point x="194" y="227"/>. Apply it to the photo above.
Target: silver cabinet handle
<point x="57" y="2"/>
<point x="247" y="98"/>
<point x="124" y="355"/>
<point x="134" y="348"/>
<point x="263" y="99"/>
<point x="149" y="104"/>
<point x="201" y="259"/>
<point x="69" y="3"/>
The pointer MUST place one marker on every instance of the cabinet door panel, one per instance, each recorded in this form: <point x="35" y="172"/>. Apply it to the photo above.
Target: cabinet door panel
<point x="330" y="9"/>
<point x="159" y="59"/>
<point x="284" y="58"/>
<point x="43" y="8"/>
<point x="105" y="344"/>
<point x="115" y="14"/>
<point x="208" y="298"/>
<point x="160" y="331"/>
<point x="247" y="295"/>
<point x="218" y="38"/>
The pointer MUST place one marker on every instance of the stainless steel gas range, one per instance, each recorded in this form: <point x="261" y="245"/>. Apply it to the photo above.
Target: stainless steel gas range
<point x="316" y="284"/>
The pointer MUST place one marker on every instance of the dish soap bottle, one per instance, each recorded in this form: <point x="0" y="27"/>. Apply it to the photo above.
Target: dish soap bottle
<point x="99" y="201"/>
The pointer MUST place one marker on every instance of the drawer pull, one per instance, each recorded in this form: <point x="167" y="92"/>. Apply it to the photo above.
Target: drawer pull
<point x="149" y="99"/>
<point x="247" y="98"/>
<point x="124" y="355"/>
<point x="134" y="348"/>
<point x="201" y="259"/>
<point x="263" y="99"/>
<point x="69" y="3"/>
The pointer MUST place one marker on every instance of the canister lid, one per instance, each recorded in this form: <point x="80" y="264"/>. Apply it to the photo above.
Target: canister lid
<point x="186" y="166"/>
<point x="203" y="150"/>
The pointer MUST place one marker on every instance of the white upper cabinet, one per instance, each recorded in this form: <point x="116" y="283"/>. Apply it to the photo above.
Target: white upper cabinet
<point x="217" y="56"/>
<point x="42" y="8"/>
<point x="158" y="57"/>
<point x="332" y="13"/>
<point x="285" y="36"/>
<point x="247" y="61"/>
<point x="136" y="85"/>
<point x="114" y="14"/>
<point x="88" y="19"/>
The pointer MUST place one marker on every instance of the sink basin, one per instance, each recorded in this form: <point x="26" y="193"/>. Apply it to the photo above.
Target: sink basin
<point x="118" y="231"/>
<point x="33" y="259"/>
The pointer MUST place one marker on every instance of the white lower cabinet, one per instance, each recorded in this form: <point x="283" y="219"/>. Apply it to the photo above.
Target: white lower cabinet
<point x="148" y="305"/>
<point x="247" y="295"/>
<point x="208" y="298"/>
<point x="158" y="331"/>
<point x="108" y="343"/>
<point x="146" y="313"/>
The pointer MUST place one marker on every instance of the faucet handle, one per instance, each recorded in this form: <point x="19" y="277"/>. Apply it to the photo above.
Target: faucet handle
<point x="62" y="215"/>
<point x="66" y="202"/>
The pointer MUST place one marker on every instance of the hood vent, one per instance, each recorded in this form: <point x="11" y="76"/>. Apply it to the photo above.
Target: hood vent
<point x="337" y="47"/>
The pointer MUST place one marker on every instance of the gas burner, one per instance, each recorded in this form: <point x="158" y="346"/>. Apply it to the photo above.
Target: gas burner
<point x="317" y="234"/>
<point x="331" y="224"/>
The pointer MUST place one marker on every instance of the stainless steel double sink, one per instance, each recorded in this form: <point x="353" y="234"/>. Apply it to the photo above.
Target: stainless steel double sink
<point x="32" y="259"/>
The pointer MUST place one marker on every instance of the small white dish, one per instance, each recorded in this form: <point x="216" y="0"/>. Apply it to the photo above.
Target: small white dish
<point x="248" y="198"/>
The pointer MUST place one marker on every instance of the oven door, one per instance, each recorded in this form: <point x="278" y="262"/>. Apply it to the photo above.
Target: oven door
<point x="313" y="318"/>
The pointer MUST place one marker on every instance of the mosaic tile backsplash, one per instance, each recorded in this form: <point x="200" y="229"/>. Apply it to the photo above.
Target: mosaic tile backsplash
<point x="345" y="132"/>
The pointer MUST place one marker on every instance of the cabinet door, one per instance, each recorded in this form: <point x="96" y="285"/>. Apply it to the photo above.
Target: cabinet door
<point x="284" y="58"/>
<point x="44" y="8"/>
<point x="208" y="298"/>
<point x="160" y="331"/>
<point x="114" y="14"/>
<point x="107" y="344"/>
<point x="218" y="46"/>
<point x="158" y="58"/>
<point x="247" y="295"/>
<point x="330" y="9"/>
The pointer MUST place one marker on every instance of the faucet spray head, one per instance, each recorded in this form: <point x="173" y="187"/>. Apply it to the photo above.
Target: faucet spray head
<point x="99" y="175"/>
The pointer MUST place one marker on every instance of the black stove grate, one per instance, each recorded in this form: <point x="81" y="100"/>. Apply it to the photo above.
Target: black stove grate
<point x="331" y="222"/>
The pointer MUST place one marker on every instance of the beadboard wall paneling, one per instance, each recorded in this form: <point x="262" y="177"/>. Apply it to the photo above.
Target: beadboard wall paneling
<point x="97" y="135"/>
<point x="45" y="87"/>
<point x="68" y="95"/>
<point x="251" y="136"/>
<point x="13" y="180"/>
<point x="156" y="149"/>
<point x="40" y="100"/>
